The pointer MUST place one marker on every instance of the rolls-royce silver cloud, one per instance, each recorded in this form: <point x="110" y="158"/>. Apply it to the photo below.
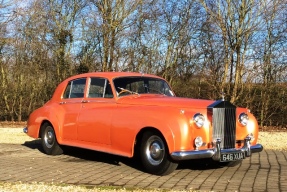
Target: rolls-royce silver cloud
<point x="127" y="114"/>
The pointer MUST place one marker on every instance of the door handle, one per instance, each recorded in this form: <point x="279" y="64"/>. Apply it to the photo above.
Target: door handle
<point x="62" y="102"/>
<point x="85" y="101"/>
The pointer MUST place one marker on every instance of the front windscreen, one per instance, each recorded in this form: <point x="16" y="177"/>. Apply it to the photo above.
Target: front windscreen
<point x="142" y="85"/>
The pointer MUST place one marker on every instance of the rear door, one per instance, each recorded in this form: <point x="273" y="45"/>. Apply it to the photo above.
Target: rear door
<point x="71" y="105"/>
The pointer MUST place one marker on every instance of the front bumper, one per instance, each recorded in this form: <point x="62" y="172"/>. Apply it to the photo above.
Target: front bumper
<point x="215" y="153"/>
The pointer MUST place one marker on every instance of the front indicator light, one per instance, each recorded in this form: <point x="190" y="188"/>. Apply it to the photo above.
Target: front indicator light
<point x="199" y="119"/>
<point x="252" y="138"/>
<point x="198" y="142"/>
<point x="243" y="119"/>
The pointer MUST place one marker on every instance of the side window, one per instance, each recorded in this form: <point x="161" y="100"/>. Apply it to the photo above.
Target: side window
<point x="100" y="87"/>
<point x="75" y="89"/>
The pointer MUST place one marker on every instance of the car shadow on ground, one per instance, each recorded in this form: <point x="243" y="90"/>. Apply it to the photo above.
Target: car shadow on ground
<point x="81" y="155"/>
<point x="34" y="144"/>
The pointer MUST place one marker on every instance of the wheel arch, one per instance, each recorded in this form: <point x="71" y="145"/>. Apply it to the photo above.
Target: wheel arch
<point x="54" y="125"/>
<point x="49" y="141"/>
<point x="167" y="138"/>
<point x="42" y="127"/>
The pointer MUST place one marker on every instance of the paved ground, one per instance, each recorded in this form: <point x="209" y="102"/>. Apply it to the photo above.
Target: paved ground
<point x="266" y="171"/>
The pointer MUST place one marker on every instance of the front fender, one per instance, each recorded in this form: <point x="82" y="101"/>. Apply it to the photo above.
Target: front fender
<point x="128" y="122"/>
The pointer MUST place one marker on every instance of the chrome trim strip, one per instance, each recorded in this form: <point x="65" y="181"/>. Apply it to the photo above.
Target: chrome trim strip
<point x="187" y="155"/>
<point x="215" y="153"/>
<point x="25" y="130"/>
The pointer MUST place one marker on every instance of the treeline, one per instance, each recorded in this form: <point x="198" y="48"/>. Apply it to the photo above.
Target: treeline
<point x="202" y="47"/>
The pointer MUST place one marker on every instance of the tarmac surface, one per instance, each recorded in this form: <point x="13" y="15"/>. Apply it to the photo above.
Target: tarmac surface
<point x="265" y="171"/>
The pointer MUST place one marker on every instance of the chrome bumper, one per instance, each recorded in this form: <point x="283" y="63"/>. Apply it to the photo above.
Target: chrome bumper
<point x="25" y="130"/>
<point x="215" y="153"/>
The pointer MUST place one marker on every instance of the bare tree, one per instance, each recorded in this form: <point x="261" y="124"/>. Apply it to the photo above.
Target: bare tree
<point x="61" y="17"/>
<point x="8" y="12"/>
<point x="270" y="56"/>
<point x="236" y="22"/>
<point x="112" y="19"/>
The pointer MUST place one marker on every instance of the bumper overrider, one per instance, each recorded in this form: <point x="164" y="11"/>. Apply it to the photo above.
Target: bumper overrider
<point x="216" y="152"/>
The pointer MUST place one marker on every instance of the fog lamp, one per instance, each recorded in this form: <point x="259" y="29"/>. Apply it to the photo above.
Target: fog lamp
<point x="198" y="142"/>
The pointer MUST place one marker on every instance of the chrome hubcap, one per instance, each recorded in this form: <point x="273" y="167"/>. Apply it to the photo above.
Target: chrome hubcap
<point x="49" y="137"/>
<point x="155" y="150"/>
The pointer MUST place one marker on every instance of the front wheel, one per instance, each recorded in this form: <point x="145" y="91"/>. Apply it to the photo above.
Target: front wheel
<point x="154" y="155"/>
<point x="49" y="140"/>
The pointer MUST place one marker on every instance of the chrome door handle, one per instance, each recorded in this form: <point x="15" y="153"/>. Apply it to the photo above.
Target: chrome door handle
<point x="62" y="102"/>
<point x="85" y="101"/>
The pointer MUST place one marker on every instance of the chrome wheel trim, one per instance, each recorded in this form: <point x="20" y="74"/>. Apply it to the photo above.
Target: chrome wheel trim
<point x="49" y="137"/>
<point x="155" y="150"/>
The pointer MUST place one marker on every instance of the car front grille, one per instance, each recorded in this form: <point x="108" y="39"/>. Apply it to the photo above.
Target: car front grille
<point x="223" y="123"/>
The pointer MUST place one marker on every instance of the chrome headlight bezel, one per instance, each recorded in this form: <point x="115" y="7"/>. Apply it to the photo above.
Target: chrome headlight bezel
<point x="199" y="120"/>
<point x="243" y="119"/>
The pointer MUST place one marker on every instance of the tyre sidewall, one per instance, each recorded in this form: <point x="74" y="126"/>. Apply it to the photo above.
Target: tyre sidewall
<point x="54" y="148"/>
<point x="166" y="166"/>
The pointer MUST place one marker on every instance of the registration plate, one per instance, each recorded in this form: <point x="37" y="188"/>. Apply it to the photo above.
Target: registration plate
<point x="225" y="157"/>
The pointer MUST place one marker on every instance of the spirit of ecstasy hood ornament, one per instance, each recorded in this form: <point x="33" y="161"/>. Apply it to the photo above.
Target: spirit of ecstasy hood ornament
<point x="222" y="96"/>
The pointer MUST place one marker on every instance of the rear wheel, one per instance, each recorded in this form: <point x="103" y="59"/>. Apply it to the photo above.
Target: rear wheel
<point x="49" y="140"/>
<point x="154" y="155"/>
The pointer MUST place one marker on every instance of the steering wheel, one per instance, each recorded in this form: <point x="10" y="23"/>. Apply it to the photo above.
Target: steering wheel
<point x="124" y="91"/>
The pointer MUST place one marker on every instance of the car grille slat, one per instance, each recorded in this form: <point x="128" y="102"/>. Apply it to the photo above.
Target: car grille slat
<point x="230" y="127"/>
<point x="224" y="123"/>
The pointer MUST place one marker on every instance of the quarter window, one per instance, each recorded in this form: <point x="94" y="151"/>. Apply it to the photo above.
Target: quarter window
<point x="75" y="89"/>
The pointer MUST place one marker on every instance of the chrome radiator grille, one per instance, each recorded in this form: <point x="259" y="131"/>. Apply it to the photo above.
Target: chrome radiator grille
<point x="223" y="123"/>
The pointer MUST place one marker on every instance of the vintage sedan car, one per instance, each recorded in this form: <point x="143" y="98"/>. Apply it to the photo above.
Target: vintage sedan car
<point x="135" y="114"/>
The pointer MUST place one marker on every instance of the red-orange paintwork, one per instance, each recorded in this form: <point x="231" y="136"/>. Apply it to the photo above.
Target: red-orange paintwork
<point x="112" y="124"/>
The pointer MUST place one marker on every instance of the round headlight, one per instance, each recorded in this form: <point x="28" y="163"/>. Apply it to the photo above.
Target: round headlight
<point x="243" y="119"/>
<point x="198" y="142"/>
<point x="199" y="119"/>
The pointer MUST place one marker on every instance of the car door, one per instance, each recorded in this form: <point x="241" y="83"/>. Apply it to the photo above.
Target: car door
<point x="71" y="105"/>
<point x="94" y="121"/>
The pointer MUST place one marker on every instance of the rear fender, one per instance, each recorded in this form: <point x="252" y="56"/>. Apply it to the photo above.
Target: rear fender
<point x="36" y="122"/>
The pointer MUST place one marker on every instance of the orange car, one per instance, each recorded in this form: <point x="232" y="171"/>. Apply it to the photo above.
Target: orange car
<point x="126" y="113"/>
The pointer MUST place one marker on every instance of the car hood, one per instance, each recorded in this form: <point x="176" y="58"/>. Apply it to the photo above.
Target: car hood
<point x="162" y="100"/>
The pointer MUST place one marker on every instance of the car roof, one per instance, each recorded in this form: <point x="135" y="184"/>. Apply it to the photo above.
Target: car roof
<point x="112" y="75"/>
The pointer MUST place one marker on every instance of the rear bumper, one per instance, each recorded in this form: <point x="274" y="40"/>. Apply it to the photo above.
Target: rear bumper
<point x="25" y="130"/>
<point x="215" y="153"/>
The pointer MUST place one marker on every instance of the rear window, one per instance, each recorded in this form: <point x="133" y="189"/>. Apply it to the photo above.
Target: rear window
<point x="75" y="89"/>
